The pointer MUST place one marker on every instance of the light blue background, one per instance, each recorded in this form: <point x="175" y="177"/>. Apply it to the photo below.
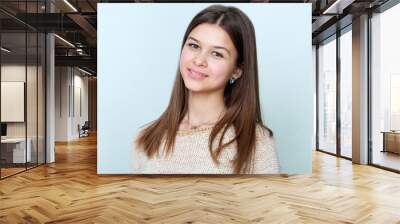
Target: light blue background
<point x="138" y="53"/>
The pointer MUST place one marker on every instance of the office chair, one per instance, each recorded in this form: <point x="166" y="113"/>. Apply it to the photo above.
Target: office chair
<point x="84" y="130"/>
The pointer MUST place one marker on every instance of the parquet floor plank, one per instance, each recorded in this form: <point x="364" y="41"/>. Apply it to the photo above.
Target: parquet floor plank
<point x="70" y="191"/>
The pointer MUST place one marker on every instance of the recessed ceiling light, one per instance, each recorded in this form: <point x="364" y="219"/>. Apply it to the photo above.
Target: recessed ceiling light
<point x="5" y="50"/>
<point x="338" y="6"/>
<point x="64" y="40"/>
<point x="70" y="5"/>
<point x="84" y="71"/>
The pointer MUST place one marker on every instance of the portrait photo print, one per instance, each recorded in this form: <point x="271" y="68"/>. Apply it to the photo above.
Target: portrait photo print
<point x="205" y="88"/>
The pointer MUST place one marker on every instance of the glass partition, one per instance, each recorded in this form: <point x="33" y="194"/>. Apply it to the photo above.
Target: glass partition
<point x="22" y="77"/>
<point x="327" y="96"/>
<point x="31" y="100"/>
<point x="13" y="110"/>
<point x="41" y="86"/>
<point x="32" y="85"/>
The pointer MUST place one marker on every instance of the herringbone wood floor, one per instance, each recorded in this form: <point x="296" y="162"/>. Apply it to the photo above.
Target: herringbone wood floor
<point x="70" y="191"/>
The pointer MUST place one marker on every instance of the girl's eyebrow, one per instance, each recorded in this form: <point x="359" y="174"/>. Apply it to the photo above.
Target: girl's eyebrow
<point x="219" y="47"/>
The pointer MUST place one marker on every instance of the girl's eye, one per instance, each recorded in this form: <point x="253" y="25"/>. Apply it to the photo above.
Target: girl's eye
<point x="194" y="46"/>
<point x="217" y="54"/>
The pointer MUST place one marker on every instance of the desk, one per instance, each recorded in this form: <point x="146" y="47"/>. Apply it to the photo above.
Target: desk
<point x="391" y="141"/>
<point x="18" y="151"/>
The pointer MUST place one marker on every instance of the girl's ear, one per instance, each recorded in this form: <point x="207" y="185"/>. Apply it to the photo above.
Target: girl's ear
<point x="238" y="71"/>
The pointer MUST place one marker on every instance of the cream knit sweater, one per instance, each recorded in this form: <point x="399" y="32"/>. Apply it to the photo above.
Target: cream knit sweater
<point x="191" y="155"/>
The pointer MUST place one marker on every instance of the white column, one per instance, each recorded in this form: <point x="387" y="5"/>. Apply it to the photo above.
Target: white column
<point x="50" y="91"/>
<point x="360" y="90"/>
<point x="50" y="110"/>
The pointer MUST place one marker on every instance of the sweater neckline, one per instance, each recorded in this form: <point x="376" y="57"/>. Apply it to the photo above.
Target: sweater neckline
<point x="193" y="131"/>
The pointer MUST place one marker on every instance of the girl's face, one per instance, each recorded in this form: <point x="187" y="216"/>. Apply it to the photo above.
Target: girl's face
<point x="208" y="59"/>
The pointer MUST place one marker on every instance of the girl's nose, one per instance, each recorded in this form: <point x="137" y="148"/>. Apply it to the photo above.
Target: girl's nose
<point x="200" y="60"/>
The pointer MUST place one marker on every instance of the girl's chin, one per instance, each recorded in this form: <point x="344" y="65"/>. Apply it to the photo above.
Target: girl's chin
<point x="198" y="89"/>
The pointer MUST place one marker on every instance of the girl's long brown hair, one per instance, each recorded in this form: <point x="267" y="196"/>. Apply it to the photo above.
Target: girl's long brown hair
<point x="241" y="98"/>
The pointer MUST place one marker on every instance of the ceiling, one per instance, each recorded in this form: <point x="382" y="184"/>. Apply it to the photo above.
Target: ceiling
<point x="76" y="22"/>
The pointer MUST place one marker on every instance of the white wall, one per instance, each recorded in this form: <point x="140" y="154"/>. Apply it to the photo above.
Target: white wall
<point x="79" y="117"/>
<point x="70" y="83"/>
<point x="61" y="103"/>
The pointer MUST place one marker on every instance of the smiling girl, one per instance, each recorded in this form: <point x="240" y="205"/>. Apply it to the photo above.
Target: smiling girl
<point x="212" y="124"/>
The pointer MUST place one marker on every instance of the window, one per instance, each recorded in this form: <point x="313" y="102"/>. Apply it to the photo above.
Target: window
<point x="327" y="96"/>
<point x="385" y="88"/>
<point x="346" y="93"/>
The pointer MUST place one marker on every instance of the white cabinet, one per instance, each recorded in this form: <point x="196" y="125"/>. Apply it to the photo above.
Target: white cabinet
<point x="18" y="152"/>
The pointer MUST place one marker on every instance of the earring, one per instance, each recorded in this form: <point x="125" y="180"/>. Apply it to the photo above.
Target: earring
<point x="232" y="80"/>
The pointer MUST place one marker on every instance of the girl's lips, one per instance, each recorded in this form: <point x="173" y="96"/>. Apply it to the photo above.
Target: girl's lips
<point x="196" y="75"/>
